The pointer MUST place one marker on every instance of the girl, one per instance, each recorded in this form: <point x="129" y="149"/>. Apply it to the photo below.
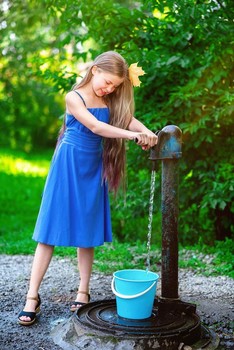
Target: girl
<point x="90" y="155"/>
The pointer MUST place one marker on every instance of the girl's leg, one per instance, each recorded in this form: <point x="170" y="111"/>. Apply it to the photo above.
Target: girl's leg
<point x="85" y="263"/>
<point x="42" y="258"/>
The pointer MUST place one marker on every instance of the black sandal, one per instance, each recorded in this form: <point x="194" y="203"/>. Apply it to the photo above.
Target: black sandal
<point x="77" y="304"/>
<point x="31" y="315"/>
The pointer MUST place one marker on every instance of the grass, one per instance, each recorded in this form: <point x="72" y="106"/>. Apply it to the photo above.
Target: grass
<point x="22" y="178"/>
<point x="215" y="260"/>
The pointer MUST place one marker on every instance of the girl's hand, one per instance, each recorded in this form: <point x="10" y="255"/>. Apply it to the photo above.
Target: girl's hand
<point x="146" y="140"/>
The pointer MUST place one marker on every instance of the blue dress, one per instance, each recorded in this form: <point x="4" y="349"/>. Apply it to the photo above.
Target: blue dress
<point x="75" y="207"/>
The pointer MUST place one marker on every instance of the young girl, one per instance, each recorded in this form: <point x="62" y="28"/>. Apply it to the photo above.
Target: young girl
<point x="89" y="157"/>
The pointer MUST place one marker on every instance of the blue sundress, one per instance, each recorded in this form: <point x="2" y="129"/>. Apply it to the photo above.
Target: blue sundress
<point x="75" y="207"/>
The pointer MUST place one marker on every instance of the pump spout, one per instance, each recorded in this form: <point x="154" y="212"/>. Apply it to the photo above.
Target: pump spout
<point x="169" y="144"/>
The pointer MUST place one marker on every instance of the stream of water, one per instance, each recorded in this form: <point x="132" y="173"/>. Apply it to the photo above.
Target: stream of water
<point x="151" y="207"/>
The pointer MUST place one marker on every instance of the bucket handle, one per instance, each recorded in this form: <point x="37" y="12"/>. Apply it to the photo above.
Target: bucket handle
<point x="130" y="296"/>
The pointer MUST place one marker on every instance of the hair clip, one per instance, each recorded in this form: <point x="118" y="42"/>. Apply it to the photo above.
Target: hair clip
<point x="134" y="73"/>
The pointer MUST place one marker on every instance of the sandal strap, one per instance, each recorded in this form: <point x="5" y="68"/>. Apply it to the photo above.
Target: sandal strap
<point x="86" y="293"/>
<point x="33" y="298"/>
<point x="30" y="314"/>
<point x="80" y="291"/>
<point x="78" y="303"/>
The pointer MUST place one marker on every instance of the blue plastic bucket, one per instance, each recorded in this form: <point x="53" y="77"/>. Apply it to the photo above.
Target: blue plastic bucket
<point x="135" y="291"/>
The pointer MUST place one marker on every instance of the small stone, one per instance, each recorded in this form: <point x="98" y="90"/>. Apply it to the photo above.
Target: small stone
<point x="180" y="347"/>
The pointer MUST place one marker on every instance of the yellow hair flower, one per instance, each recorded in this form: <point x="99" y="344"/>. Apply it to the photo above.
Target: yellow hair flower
<point x="134" y="73"/>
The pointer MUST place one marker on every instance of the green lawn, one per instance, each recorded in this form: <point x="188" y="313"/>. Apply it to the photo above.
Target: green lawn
<point x="22" y="179"/>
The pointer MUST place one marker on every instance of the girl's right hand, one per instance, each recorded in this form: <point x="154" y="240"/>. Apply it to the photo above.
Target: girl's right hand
<point x="146" y="140"/>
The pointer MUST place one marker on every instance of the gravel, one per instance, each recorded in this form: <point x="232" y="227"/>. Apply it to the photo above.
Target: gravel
<point x="213" y="296"/>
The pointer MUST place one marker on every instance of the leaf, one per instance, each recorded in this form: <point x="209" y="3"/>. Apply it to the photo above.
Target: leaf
<point x="172" y="60"/>
<point x="222" y="205"/>
<point x="134" y="73"/>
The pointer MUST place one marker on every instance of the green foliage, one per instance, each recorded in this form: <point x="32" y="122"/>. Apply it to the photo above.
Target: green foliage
<point x="30" y="111"/>
<point x="130" y="210"/>
<point x="117" y="256"/>
<point x="207" y="260"/>
<point x="23" y="177"/>
<point x="186" y="49"/>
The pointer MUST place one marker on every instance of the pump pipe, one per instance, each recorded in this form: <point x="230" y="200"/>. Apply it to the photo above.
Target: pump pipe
<point x="168" y="149"/>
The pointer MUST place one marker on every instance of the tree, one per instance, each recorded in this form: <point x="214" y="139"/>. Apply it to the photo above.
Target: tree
<point x="29" y="103"/>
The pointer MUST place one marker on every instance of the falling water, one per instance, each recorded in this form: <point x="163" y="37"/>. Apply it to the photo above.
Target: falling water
<point x="151" y="206"/>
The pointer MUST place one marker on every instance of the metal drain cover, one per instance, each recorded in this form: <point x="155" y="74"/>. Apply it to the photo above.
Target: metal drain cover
<point x="164" y="322"/>
<point x="171" y="323"/>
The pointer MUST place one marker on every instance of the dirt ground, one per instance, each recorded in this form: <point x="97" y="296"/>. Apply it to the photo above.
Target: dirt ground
<point x="214" y="297"/>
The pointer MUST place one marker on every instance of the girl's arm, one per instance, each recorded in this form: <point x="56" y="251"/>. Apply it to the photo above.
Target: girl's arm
<point x="76" y="107"/>
<point x="137" y="126"/>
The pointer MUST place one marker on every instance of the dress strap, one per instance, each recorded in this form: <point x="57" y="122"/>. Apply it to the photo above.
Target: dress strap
<point x="80" y="96"/>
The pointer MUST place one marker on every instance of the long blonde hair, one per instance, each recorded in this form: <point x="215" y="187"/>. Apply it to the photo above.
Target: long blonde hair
<point x="121" y="106"/>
